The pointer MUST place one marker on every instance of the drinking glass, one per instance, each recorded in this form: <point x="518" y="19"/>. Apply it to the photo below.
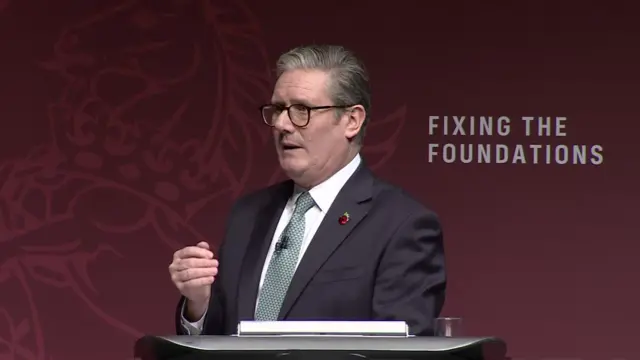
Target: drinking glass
<point x="448" y="327"/>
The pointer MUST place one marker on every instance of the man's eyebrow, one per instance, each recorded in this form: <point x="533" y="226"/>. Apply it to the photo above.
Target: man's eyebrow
<point x="293" y="101"/>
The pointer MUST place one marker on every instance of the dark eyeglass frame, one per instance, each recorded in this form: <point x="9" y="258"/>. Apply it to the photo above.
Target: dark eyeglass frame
<point x="308" y="108"/>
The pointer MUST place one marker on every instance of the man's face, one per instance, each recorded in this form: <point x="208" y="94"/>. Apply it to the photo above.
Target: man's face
<point x="310" y="154"/>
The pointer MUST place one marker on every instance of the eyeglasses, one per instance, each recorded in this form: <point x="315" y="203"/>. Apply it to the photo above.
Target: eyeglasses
<point x="298" y="114"/>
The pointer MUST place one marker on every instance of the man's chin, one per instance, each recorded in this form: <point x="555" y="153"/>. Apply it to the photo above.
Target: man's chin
<point x="292" y="167"/>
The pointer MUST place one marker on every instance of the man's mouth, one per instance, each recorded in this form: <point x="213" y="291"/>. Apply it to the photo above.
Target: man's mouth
<point x="290" y="147"/>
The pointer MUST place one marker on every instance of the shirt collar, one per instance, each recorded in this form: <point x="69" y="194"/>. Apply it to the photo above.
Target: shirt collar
<point x="325" y="193"/>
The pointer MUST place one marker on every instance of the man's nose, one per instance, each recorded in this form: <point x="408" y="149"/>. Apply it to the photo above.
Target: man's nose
<point x="282" y="122"/>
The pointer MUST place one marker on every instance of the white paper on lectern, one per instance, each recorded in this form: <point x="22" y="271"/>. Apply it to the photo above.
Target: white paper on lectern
<point x="338" y="328"/>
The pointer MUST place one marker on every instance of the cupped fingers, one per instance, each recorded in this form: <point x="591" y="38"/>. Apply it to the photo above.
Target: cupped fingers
<point x="199" y="282"/>
<point x="184" y="264"/>
<point x="195" y="273"/>
<point x="193" y="251"/>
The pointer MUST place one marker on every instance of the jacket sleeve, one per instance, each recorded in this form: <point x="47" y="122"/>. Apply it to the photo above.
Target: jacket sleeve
<point x="411" y="279"/>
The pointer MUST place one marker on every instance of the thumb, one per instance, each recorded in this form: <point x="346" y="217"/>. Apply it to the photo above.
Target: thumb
<point x="203" y="245"/>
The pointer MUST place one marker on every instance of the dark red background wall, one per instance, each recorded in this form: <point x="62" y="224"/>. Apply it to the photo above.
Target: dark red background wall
<point x="128" y="128"/>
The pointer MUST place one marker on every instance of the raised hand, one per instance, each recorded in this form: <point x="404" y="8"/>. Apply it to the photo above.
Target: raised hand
<point x="193" y="270"/>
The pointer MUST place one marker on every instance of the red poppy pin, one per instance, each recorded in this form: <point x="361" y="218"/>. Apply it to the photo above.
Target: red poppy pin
<point x="344" y="218"/>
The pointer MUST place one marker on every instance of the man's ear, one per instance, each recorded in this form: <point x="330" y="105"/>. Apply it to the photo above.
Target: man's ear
<point x="355" y="119"/>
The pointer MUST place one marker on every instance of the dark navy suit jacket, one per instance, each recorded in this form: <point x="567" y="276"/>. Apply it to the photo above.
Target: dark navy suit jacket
<point x="386" y="263"/>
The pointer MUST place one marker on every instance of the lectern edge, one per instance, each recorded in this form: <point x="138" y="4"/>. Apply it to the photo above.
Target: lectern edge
<point x="311" y="347"/>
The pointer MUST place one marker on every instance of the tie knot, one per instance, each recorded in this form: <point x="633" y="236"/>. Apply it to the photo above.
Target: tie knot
<point x="304" y="203"/>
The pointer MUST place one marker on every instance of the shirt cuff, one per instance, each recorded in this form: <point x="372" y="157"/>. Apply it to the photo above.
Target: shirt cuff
<point x="192" y="328"/>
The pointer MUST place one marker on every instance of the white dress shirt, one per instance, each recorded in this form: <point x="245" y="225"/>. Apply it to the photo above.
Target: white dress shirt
<point x="323" y="194"/>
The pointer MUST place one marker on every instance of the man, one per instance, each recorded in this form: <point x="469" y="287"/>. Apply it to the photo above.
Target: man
<point x="332" y="243"/>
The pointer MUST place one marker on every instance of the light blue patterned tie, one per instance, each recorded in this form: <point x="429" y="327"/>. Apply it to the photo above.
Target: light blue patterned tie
<point x="283" y="263"/>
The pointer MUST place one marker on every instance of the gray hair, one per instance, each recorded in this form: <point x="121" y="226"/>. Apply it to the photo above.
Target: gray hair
<point x="349" y="84"/>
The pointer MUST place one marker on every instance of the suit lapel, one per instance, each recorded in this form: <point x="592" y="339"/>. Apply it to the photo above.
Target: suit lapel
<point x="257" y="249"/>
<point x="354" y="198"/>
